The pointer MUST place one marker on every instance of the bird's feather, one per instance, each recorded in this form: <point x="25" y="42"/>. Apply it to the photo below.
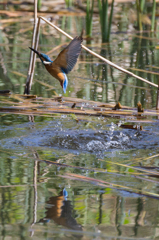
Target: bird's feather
<point x="67" y="58"/>
<point x="55" y="72"/>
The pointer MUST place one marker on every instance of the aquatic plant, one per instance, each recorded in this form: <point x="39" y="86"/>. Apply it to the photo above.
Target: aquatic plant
<point x="142" y="16"/>
<point x="89" y="19"/>
<point x="39" y="5"/>
<point x="69" y="3"/>
<point x="139" y="7"/>
<point x="105" y="20"/>
<point x="153" y="15"/>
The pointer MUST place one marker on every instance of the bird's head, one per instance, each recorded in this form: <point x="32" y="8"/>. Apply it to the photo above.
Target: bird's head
<point x="43" y="57"/>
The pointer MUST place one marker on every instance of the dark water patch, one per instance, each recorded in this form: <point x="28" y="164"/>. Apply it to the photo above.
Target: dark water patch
<point x="59" y="135"/>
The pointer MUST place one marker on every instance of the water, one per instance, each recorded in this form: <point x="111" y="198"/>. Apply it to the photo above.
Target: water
<point x="62" y="179"/>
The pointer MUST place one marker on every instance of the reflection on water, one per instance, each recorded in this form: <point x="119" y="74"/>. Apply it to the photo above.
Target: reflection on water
<point x="59" y="209"/>
<point x="41" y="200"/>
<point x="79" y="211"/>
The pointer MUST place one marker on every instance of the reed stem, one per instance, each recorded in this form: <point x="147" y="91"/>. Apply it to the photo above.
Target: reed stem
<point x="110" y="19"/>
<point x="32" y="54"/>
<point x="139" y="22"/>
<point x="153" y="16"/>
<point x="35" y="42"/>
<point x="89" y="19"/>
<point x="105" y="21"/>
<point x="39" y="5"/>
<point x="157" y="102"/>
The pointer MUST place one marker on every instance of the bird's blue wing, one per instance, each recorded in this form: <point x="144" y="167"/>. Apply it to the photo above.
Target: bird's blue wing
<point x="67" y="58"/>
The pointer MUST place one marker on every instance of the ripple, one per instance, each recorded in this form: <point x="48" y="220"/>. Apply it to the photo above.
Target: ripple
<point x="89" y="140"/>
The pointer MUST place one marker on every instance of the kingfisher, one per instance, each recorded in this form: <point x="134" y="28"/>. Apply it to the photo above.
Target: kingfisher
<point x="64" y="62"/>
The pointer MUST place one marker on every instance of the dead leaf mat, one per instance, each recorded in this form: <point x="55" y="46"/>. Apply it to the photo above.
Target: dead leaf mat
<point x="38" y="106"/>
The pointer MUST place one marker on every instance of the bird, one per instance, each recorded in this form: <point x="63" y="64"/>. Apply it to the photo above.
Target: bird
<point x="64" y="62"/>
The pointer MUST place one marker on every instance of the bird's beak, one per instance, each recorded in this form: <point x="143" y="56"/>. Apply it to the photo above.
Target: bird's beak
<point x="35" y="51"/>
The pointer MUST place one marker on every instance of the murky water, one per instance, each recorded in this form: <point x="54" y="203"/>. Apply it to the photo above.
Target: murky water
<point x="62" y="179"/>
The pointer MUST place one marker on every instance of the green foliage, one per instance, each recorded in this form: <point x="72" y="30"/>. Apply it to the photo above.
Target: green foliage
<point x="89" y="18"/>
<point x="105" y="20"/>
<point x="139" y="6"/>
<point x="39" y="5"/>
<point x="126" y="221"/>
<point x="153" y="16"/>
<point x="69" y="3"/>
<point x="143" y="12"/>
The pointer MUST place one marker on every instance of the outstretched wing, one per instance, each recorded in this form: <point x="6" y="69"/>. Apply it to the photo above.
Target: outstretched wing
<point x="67" y="58"/>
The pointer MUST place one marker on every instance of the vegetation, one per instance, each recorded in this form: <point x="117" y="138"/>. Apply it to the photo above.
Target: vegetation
<point x="89" y="19"/>
<point x="105" y="19"/>
<point x="39" y="4"/>
<point x="142" y="15"/>
<point x="69" y="3"/>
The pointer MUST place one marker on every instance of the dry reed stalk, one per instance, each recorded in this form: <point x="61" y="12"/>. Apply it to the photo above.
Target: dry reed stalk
<point x="150" y="66"/>
<point x="105" y="184"/>
<point x="35" y="47"/>
<point x="157" y="101"/>
<point x="32" y="54"/>
<point x="143" y="70"/>
<point x="131" y="167"/>
<point x="32" y="58"/>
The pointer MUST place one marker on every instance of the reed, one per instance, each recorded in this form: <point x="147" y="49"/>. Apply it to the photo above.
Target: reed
<point x="139" y="7"/>
<point x="32" y="55"/>
<point x="142" y="10"/>
<point x="39" y="5"/>
<point x="153" y="15"/>
<point x="89" y="19"/>
<point x="35" y="41"/>
<point x="69" y="3"/>
<point x="105" y="20"/>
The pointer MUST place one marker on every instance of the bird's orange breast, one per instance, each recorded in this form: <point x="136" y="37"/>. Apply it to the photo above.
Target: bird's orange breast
<point x="55" y="72"/>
